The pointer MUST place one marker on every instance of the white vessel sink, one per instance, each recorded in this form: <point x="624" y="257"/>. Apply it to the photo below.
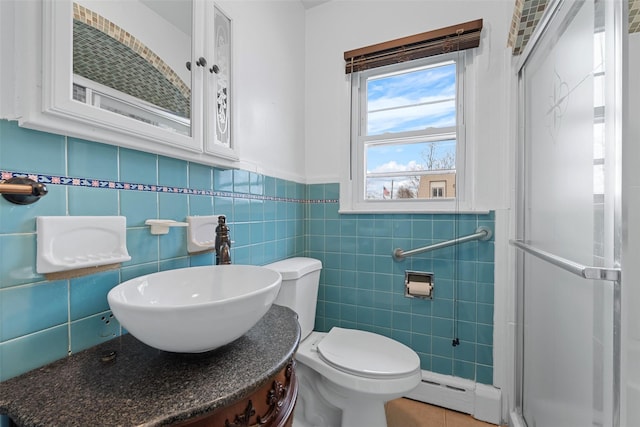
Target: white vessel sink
<point x="196" y="309"/>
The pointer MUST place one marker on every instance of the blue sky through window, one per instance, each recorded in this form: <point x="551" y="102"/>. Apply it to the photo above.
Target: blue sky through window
<point x="411" y="100"/>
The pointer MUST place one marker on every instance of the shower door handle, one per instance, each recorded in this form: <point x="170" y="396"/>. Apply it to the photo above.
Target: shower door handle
<point x="587" y="272"/>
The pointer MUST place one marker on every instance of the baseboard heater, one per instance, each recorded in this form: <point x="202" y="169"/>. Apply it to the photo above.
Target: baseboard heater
<point x="481" y="401"/>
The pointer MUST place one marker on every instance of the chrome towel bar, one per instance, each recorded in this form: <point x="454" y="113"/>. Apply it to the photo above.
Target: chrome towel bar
<point x="593" y="273"/>
<point x="482" y="233"/>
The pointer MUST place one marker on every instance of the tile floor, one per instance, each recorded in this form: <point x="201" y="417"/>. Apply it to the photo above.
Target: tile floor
<point x="410" y="413"/>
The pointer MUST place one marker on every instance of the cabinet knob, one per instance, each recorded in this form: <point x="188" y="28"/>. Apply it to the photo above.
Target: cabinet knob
<point x="201" y="62"/>
<point x="215" y="69"/>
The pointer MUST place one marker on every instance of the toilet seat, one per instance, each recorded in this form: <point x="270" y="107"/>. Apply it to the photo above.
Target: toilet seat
<point x="366" y="354"/>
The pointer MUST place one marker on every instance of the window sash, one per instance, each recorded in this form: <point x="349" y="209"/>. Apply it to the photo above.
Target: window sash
<point x="428" y="135"/>
<point x="436" y="138"/>
<point x="354" y="192"/>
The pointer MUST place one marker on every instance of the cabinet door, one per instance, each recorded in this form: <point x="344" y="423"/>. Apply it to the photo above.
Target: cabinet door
<point x="116" y="71"/>
<point x="71" y="78"/>
<point x="218" y="84"/>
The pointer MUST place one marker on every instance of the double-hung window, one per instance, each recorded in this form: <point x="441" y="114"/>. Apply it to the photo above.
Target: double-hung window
<point x="407" y="144"/>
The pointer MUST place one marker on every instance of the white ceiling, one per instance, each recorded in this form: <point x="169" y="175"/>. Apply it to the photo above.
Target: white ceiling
<point x="308" y="4"/>
<point x="178" y="12"/>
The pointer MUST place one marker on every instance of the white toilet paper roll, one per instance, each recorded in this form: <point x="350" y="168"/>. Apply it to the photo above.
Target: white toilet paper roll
<point x="419" y="288"/>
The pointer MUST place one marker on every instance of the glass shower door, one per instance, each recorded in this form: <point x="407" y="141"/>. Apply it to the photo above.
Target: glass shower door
<point x="567" y="220"/>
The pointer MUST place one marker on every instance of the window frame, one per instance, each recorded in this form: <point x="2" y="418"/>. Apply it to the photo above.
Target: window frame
<point x="353" y="183"/>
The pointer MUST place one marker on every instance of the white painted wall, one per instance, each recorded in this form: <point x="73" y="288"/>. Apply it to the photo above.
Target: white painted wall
<point x="268" y="81"/>
<point x="268" y="39"/>
<point x="340" y="25"/>
<point x="630" y="411"/>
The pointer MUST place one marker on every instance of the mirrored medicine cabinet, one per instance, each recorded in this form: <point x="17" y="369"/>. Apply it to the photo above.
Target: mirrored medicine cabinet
<point x="144" y="74"/>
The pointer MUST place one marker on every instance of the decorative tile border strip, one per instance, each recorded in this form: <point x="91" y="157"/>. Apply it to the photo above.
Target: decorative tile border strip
<point x="118" y="185"/>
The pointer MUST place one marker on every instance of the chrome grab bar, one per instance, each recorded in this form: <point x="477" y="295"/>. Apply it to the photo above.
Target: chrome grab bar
<point x="482" y="233"/>
<point x="587" y="272"/>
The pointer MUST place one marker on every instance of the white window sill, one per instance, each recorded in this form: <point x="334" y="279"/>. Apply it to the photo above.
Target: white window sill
<point x="407" y="209"/>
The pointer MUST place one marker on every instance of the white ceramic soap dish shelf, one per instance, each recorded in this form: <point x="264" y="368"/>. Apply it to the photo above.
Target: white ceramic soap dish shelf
<point x="161" y="226"/>
<point x="202" y="233"/>
<point x="73" y="242"/>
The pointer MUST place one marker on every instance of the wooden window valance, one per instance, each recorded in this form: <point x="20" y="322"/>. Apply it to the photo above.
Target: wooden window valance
<point x="450" y="39"/>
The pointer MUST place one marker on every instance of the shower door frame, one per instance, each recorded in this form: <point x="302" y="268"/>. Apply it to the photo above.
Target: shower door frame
<point x="618" y="21"/>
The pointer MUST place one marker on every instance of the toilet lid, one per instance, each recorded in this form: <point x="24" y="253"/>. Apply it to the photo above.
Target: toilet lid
<point x="367" y="354"/>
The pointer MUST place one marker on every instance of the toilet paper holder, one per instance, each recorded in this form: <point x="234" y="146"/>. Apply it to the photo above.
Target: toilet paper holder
<point x="418" y="284"/>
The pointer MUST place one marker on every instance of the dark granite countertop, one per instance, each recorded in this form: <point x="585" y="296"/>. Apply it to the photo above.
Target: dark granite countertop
<point x="149" y="387"/>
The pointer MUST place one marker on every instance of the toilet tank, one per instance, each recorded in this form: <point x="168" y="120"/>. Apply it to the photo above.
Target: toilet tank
<point x="299" y="289"/>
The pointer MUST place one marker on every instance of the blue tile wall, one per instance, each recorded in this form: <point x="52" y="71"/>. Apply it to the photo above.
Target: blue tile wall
<point x="40" y="320"/>
<point x="270" y="219"/>
<point x="363" y="287"/>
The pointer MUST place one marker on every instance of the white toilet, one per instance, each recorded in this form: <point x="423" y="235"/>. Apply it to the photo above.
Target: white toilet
<point x="345" y="375"/>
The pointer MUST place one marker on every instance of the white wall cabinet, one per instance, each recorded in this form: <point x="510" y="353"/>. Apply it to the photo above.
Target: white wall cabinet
<point x="51" y="95"/>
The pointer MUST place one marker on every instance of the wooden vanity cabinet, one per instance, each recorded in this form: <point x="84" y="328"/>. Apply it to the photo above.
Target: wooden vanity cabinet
<point x="271" y="405"/>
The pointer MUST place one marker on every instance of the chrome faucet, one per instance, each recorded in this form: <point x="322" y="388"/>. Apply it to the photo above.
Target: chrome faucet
<point x="223" y="244"/>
